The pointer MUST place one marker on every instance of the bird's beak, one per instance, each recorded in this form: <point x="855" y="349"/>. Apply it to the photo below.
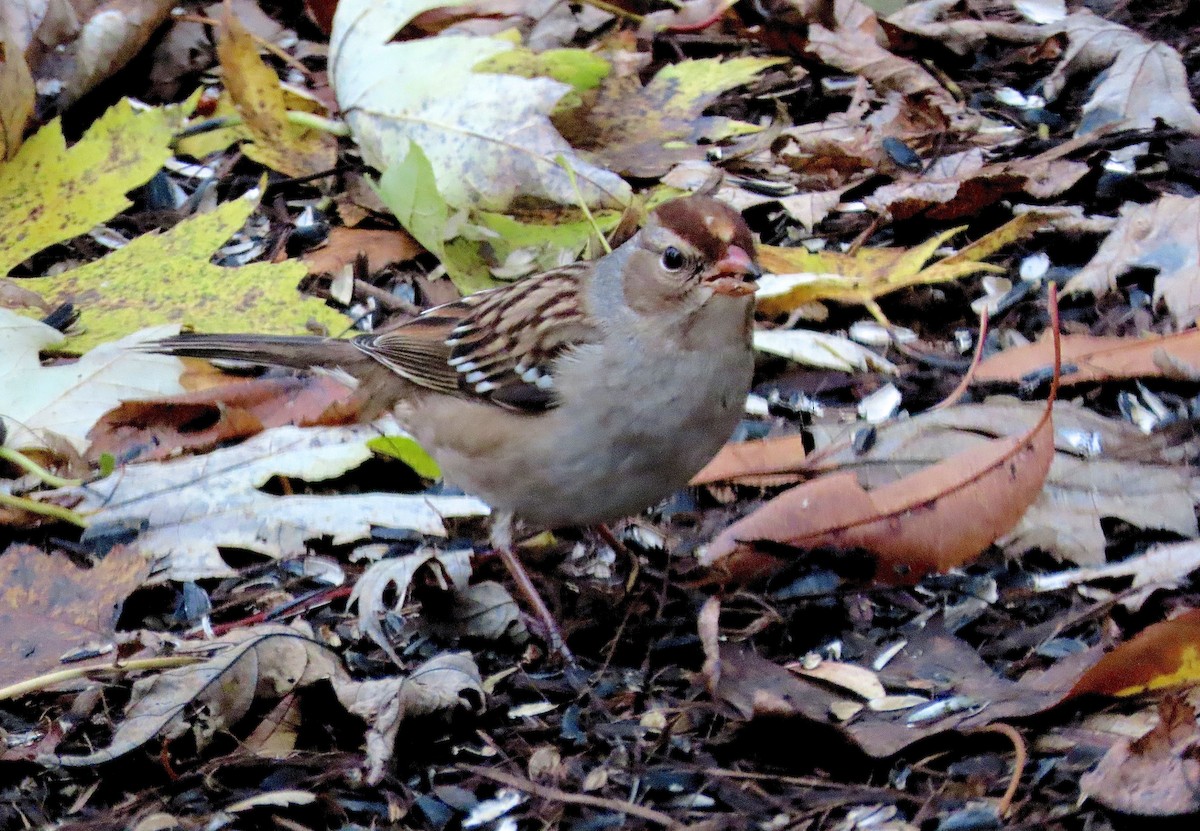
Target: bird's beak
<point x="734" y="273"/>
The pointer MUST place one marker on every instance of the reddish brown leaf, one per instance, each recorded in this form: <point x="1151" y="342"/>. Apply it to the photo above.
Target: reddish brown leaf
<point x="761" y="457"/>
<point x="199" y="421"/>
<point x="381" y="248"/>
<point x="1162" y="655"/>
<point x="1088" y="359"/>
<point x="49" y="606"/>
<point x="938" y="518"/>
<point x="932" y="520"/>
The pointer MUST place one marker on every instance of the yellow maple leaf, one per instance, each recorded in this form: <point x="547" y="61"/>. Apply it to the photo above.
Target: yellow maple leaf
<point x="50" y="194"/>
<point x="160" y="278"/>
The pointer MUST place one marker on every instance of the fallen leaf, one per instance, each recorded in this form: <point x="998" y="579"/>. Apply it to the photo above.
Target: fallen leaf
<point x="17" y="94"/>
<point x="1141" y="81"/>
<point x="1159" y="236"/>
<point x="68" y="398"/>
<point x="1103" y="469"/>
<point x="173" y="271"/>
<point x="50" y="607"/>
<point x="760" y="457"/>
<point x="446" y="682"/>
<point x="797" y="276"/>
<point x="266" y="661"/>
<point x="191" y="507"/>
<point x="1154" y="775"/>
<point x="951" y="26"/>
<point x="1164" y="566"/>
<point x="50" y="194"/>
<point x="488" y="136"/>
<point x="1090" y="359"/>
<point x="277" y="143"/>
<point x="1164" y="654"/>
<point x="644" y="131"/>
<point x="939" y="517"/>
<point x="194" y="422"/>
<point x="933" y="663"/>
<point x="344" y="245"/>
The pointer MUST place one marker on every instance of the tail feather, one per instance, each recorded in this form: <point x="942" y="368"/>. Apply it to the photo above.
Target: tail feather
<point x="294" y="351"/>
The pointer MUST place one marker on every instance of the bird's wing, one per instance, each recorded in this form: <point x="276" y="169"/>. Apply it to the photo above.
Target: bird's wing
<point x="497" y="345"/>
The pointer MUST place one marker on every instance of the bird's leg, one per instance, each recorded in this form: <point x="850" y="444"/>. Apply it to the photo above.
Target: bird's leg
<point x="502" y="541"/>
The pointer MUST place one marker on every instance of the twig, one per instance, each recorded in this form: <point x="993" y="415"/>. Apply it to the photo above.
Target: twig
<point x="43" y="509"/>
<point x="961" y="390"/>
<point x="41" y="682"/>
<point x="558" y="795"/>
<point x="1020" y="757"/>
<point x="28" y="465"/>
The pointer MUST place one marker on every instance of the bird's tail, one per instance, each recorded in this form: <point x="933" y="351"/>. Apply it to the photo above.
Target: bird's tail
<point x="294" y="351"/>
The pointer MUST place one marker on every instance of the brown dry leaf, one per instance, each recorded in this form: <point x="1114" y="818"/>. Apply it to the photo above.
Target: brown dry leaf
<point x="344" y="245"/>
<point x="210" y="697"/>
<point x="1160" y="236"/>
<point x="195" y="422"/>
<point x="964" y="692"/>
<point x="50" y="607"/>
<point x="1143" y="81"/>
<point x="937" y="518"/>
<point x="103" y="38"/>
<point x="255" y="92"/>
<point x="947" y="23"/>
<point x="748" y="459"/>
<point x="961" y="185"/>
<point x="1156" y="775"/>
<point x="1087" y="359"/>
<point x="1165" y="654"/>
<point x="1103" y="469"/>
<point x="17" y="94"/>
<point x="446" y="682"/>
<point x="855" y="47"/>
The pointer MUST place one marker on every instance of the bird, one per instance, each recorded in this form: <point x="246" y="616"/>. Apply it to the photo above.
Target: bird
<point x="570" y="398"/>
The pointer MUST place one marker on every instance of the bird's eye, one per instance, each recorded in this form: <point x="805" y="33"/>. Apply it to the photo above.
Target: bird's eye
<point x="672" y="259"/>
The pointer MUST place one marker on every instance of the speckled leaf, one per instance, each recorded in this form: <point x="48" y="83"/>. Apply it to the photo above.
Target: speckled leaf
<point x="50" y="194"/>
<point x="488" y="136"/>
<point x="168" y="278"/>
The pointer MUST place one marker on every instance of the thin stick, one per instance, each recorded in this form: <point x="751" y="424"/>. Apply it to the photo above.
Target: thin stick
<point x="41" y="682"/>
<point x="547" y="792"/>
<point x="1020" y="754"/>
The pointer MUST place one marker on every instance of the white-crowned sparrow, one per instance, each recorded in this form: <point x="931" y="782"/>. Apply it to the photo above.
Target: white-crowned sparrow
<point x="573" y="397"/>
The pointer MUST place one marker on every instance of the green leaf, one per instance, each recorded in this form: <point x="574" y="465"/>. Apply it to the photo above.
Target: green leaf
<point x="409" y="189"/>
<point x="408" y="451"/>
<point x="167" y="277"/>
<point x="50" y="194"/>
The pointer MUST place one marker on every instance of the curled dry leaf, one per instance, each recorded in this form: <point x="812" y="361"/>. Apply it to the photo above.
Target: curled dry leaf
<point x="1103" y="469"/>
<point x="1141" y="81"/>
<point x="935" y="519"/>
<point x="393" y="578"/>
<point x="443" y="683"/>
<point x="964" y="692"/>
<point x="269" y="660"/>
<point x="1159" y="236"/>
<point x="1156" y="774"/>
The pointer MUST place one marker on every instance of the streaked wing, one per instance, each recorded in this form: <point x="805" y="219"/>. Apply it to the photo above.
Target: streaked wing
<point x="498" y="345"/>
